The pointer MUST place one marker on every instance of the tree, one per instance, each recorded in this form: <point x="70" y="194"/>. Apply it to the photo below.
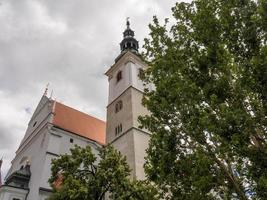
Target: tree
<point x="83" y="176"/>
<point x="209" y="106"/>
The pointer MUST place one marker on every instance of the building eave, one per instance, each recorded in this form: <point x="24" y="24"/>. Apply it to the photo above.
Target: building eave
<point x="132" y="57"/>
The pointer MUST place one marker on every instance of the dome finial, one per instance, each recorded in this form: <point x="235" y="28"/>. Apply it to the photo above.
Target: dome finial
<point x="128" y="22"/>
<point x="129" y="43"/>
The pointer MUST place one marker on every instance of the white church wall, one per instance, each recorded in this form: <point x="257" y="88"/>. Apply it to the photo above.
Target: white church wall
<point x="41" y="116"/>
<point x="47" y="157"/>
<point x="32" y="147"/>
<point x="37" y="153"/>
<point x="31" y="152"/>
<point x="34" y="151"/>
<point x="116" y="88"/>
<point x="66" y="143"/>
<point x="141" y="141"/>
<point x="138" y="108"/>
<point x="9" y="193"/>
<point x="125" y="144"/>
<point x="65" y="140"/>
<point x="54" y="142"/>
<point x="48" y="143"/>
<point x="46" y="173"/>
<point x="136" y="82"/>
<point x="44" y="195"/>
<point x="59" y="142"/>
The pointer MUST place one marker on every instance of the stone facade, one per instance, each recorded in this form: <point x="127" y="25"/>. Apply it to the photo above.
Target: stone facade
<point x="131" y="141"/>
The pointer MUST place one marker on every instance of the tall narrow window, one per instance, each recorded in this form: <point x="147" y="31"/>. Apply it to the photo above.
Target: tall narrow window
<point x="119" y="76"/>
<point x="118" y="129"/>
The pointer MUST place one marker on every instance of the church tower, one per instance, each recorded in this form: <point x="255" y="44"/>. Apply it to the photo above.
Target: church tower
<point x="124" y="104"/>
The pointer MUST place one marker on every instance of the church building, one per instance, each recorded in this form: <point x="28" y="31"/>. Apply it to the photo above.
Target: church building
<point x="54" y="128"/>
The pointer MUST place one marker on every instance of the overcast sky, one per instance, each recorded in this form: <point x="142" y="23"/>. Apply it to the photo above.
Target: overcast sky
<point x="68" y="44"/>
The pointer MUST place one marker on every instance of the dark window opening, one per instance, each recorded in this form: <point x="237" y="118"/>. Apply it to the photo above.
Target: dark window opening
<point x="118" y="106"/>
<point x="119" y="76"/>
<point x="71" y="140"/>
<point x="34" y="124"/>
<point x="118" y="129"/>
<point x="141" y="73"/>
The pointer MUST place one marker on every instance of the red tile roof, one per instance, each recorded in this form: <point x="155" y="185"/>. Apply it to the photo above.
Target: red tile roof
<point x="79" y="123"/>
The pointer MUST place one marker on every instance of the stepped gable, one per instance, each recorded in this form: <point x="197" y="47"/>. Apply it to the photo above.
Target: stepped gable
<point x="79" y="123"/>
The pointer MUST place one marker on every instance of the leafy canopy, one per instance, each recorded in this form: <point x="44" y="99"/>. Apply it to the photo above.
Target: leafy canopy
<point x="209" y="107"/>
<point x="84" y="176"/>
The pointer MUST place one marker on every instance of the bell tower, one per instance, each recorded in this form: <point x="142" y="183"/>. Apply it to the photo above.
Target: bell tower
<point x="124" y="104"/>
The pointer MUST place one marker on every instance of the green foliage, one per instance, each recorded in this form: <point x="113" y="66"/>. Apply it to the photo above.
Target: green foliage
<point x="86" y="177"/>
<point x="208" y="110"/>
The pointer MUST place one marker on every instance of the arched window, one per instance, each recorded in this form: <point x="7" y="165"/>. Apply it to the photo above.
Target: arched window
<point x="118" y="106"/>
<point x="129" y="45"/>
<point x="119" y="76"/>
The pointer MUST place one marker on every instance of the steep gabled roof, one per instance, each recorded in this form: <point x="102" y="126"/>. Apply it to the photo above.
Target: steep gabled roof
<point x="66" y="118"/>
<point x="79" y="123"/>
